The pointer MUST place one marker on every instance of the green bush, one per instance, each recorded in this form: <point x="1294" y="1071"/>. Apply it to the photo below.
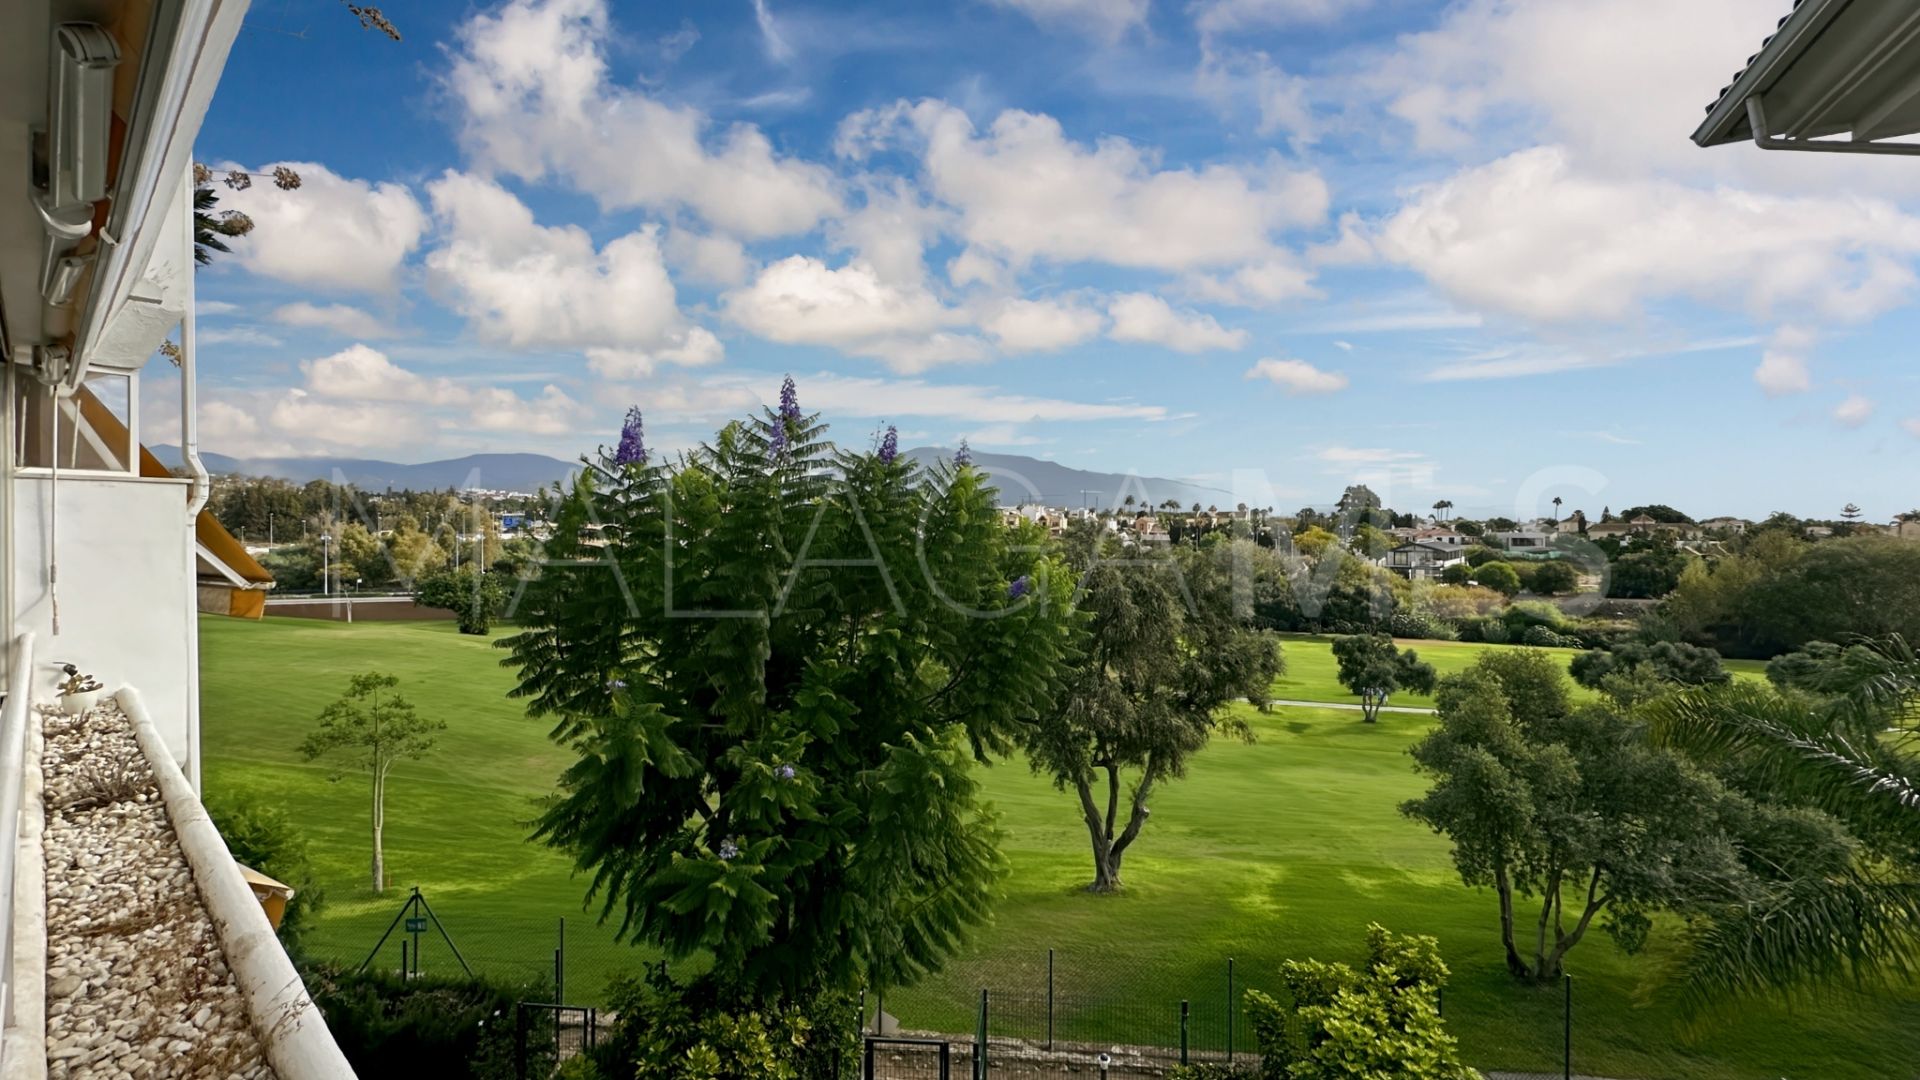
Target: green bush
<point x="437" y="1026"/>
<point x="1338" y="1023"/>
<point x="263" y="836"/>
<point x="1541" y="637"/>
<point x="700" y="1030"/>
<point x="1498" y="576"/>
<point x="1420" y="624"/>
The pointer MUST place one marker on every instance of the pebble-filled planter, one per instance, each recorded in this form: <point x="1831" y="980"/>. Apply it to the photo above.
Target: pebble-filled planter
<point x="137" y="986"/>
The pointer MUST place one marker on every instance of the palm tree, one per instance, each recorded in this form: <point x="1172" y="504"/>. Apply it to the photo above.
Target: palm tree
<point x="1440" y="508"/>
<point x="1851" y="756"/>
<point x="206" y="228"/>
<point x="1556" y="507"/>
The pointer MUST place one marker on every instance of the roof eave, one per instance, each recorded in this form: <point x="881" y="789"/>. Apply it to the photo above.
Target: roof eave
<point x="1727" y="121"/>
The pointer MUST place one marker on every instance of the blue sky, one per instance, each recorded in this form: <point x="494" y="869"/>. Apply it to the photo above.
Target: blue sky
<point x="1459" y="251"/>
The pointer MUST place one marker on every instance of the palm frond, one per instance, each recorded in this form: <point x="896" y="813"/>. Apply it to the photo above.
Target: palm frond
<point x="1809" y="937"/>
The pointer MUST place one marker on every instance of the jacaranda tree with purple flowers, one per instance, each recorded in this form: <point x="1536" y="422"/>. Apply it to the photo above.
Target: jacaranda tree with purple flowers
<point x="778" y="664"/>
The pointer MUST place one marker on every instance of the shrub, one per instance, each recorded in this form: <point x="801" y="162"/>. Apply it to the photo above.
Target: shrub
<point x="429" y="1026"/>
<point x="1554" y="577"/>
<point x="1667" y="661"/>
<point x="1499" y="576"/>
<point x="700" y="1030"/>
<point x="473" y="597"/>
<point x="1382" y="1020"/>
<point x="1480" y="555"/>
<point x="1543" y="638"/>
<point x="263" y="836"/>
<point x="1420" y="624"/>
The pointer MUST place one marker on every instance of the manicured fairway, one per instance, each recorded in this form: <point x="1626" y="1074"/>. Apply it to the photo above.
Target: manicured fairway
<point x="1283" y="848"/>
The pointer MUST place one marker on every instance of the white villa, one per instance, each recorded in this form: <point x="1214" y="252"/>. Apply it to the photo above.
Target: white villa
<point x="1424" y="562"/>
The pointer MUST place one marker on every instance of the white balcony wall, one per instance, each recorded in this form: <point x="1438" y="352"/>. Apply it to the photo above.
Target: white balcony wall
<point x="126" y="594"/>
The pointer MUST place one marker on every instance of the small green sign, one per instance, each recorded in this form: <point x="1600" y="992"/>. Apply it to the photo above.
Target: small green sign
<point x="417" y="925"/>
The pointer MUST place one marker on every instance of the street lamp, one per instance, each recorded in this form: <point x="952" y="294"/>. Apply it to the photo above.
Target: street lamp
<point x="326" y="564"/>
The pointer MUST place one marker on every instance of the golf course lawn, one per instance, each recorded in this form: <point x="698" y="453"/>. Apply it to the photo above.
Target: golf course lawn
<point x="1286" y="847"/>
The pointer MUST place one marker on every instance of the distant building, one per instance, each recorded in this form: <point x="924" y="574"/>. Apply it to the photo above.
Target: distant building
<point x="1423" y="562"/>
<point x="1732" y="525"/>
<point x="1522" y="540"/>
<point x="1442" y="537"/>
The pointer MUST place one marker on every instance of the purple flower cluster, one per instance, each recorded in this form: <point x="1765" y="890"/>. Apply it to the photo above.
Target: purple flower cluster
<point x="784" y="772"/>
<point x="616" y="684"/>
<point x="729" y="851"/>
<point x="633" y="448"/>
<point x="964" y="455"/>
<point x="777" y="442"/>
<point x="1019" y="587"/>
<point x="789" y="400"/>
<point x="889" y="445"/>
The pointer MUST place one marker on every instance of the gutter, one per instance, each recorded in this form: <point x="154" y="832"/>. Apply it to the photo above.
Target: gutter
<point x="201" y="489"/>
<point x="1806" y="22"/>
<point x="288" y="1023"/>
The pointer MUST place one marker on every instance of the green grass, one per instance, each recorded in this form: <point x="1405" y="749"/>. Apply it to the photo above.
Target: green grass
<point x="1312" y="674"/>
<point x="1286" y="847"/>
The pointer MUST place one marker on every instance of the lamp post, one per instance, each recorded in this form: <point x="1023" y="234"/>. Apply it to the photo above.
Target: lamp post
<point x="351" y="593"/>
<point x="326" y="564"/>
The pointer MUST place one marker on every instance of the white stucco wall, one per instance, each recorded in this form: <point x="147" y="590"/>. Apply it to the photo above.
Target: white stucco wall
<point x="126" y="597"/>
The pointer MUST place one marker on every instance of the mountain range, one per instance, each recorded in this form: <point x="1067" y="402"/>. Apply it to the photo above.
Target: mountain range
<point x="496" y="472"/>
<point x="1021" y="479"/>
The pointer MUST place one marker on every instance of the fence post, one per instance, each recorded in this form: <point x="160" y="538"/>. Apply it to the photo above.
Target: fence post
<point x="866" y="1061"/>
<point x="519" y="1042"/>
<point x="404" y="975"/>
<point x="1230" y="1010"/>
<point x="560" y="966"/>
<point x="1183" y="1031"/>
<point x="980" y="1041"/>
<point x="946" y="1060"/>
<point x="1567" y="1044"/>
<point x="1049" y="999"/>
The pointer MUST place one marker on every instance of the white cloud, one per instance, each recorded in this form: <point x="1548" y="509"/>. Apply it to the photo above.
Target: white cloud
<point x="1261" y="284"/>
<point x="1783" y="366"/>
<point x="699" y="348"/>
<point x="1145" y="318"/>
<point x="708" y="258"/>
<point x="799" y="300"/>
<point x="237" y="335"/>
<point x="776" y="46"/>
<point x="359" y="397"/>
<point x="1854" y="411"/>
<point x="985" y="405"/>
<point x="531" y="80"/>
<point x="1214" y="16"/>
<point x="1103" y="20"/>
<point x="1024" y="191"/>
<point x="1660" y="62"/>
<point x="1297" y="376"/>
<point x="890" y="231"/>
<point x="330" y="233"/>
<point x="1533" y="236"/>
<point x="212" y="308"/>
<point x="1367" y="455"/>
<point x="362" y="373"/>
<point x="342" y="319"/>
<point x="1250" y="78"/>
<point x="1041" y="325"/>
<point x="535" y="286"/>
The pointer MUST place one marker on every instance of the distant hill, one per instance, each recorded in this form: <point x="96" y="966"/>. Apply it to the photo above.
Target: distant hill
<point x="501" y="472"/>
<point x="1027" y="479"/>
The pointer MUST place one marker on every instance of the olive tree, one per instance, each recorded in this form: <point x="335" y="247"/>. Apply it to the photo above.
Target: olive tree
<point x="1375" y="669"/>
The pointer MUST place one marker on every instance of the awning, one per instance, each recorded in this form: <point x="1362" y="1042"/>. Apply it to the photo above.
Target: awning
<point x="1834" y="68"/>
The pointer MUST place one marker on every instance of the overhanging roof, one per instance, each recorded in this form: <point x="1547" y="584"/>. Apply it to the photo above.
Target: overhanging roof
<point x="1834" y="67"/>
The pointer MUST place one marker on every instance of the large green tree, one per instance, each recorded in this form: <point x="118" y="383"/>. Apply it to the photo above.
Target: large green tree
<point x="473" y="597"/>
<point x="1371" y="666"/>
<point x="1573" y="807"/>
<point x="777" y="664"/>
<point x="1164" y="649"/>
<point x="377" y="729"/>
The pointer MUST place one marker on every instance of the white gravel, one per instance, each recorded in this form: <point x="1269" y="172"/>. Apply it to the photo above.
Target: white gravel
<point x="137" y="986"/>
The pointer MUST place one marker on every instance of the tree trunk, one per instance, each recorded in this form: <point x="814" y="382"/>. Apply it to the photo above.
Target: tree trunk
<point x="1565" y="942"/>
<point x="379" y="826"/>
<point x="1109" y="849"/>
<point x="1549" y="901"/>
<point x="1515" y="966"/>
